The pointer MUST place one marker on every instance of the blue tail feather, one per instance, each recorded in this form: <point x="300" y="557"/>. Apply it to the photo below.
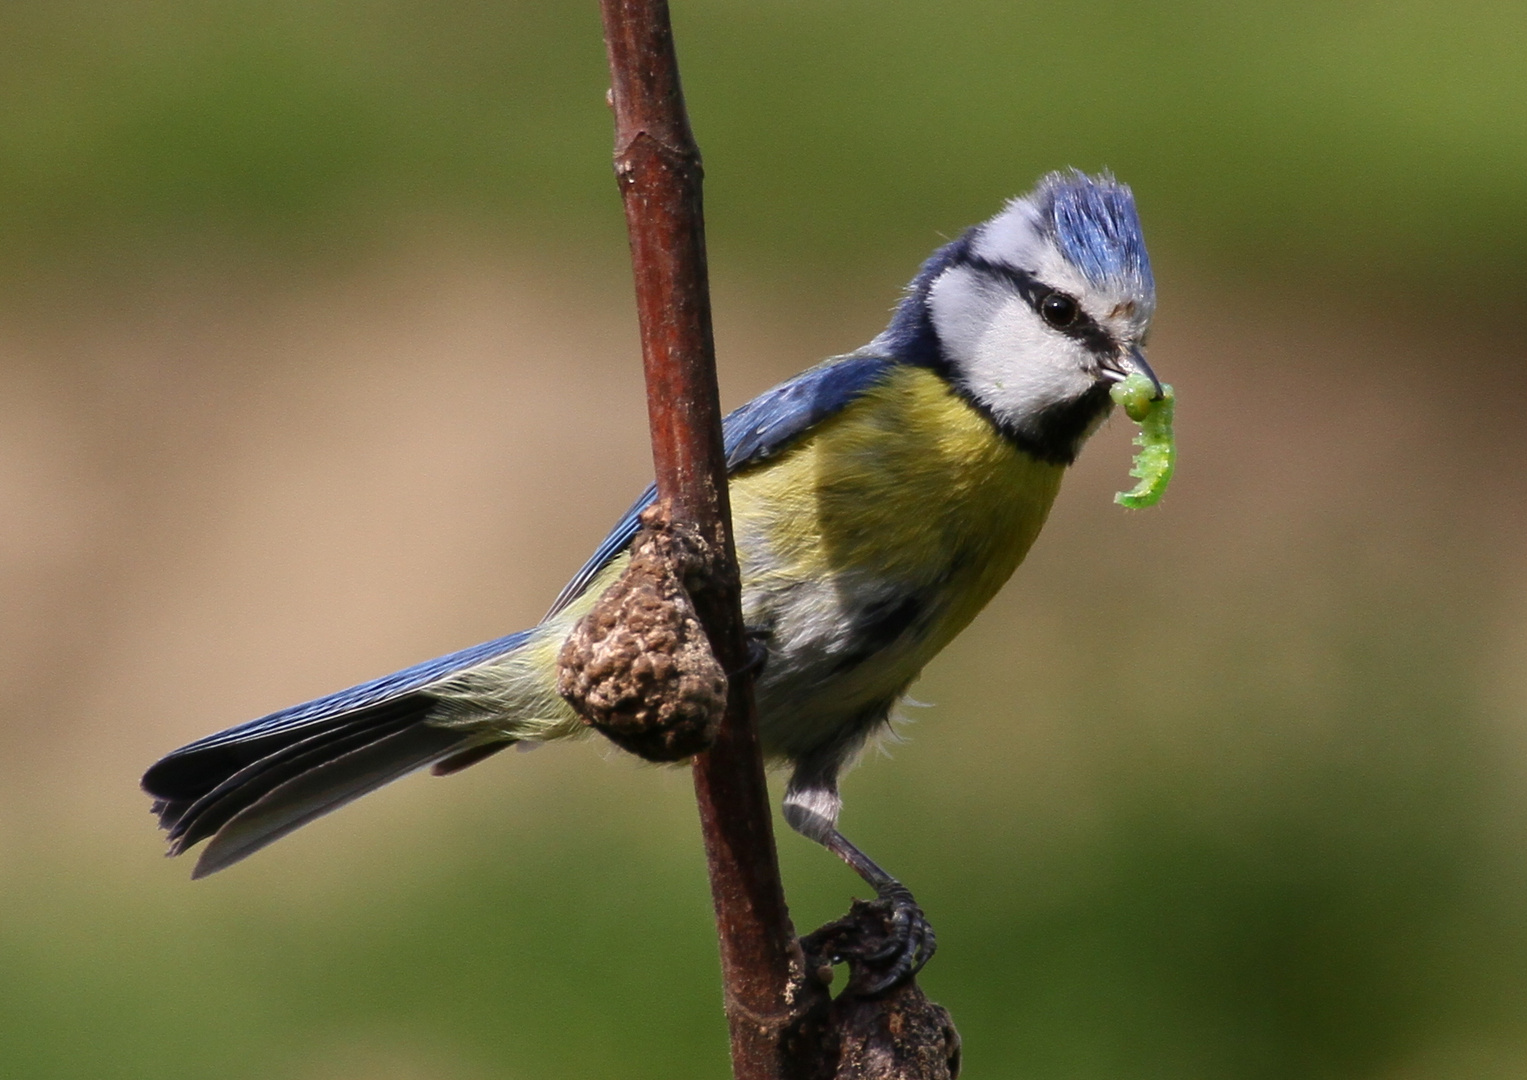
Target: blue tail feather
<point x="324" y="787"/>
<point x="375" y="692"/>
<point x="251" y="784"/>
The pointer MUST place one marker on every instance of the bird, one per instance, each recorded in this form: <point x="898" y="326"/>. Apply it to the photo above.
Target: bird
<point x="879" y="500"/>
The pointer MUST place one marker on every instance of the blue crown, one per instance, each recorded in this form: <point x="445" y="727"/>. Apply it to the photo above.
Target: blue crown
<point x="1095" y="225"/>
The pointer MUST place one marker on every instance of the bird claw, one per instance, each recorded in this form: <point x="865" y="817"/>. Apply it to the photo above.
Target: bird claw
<point x="885" y="942"/>
<point x="910" y="944"/>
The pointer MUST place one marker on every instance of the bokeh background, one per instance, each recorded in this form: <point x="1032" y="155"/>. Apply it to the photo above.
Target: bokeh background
<point x="317" y="358"/>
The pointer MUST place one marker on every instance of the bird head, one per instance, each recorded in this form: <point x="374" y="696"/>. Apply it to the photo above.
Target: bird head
<point x="1034" y="314"/>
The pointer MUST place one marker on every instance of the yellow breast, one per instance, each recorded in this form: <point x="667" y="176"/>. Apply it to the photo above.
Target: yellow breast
<point x="906" y="503"/>
<point x="908" y="491"/>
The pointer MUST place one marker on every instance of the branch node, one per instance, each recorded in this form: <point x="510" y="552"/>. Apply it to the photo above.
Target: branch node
<point x="645" y="143"/>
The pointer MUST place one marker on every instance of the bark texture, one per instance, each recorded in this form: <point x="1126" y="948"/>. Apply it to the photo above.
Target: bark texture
<point x="639" y="667"/>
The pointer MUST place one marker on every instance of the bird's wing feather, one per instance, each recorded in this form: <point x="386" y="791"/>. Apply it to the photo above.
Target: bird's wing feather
<point x="764" y="427"/>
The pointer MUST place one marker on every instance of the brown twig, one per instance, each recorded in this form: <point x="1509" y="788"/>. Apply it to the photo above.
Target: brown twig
<point x="635" y="669"/>
<point x="657" y="165"/>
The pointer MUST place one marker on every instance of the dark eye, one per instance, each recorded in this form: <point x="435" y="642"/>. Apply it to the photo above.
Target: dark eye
<point x="1058" y="309"/>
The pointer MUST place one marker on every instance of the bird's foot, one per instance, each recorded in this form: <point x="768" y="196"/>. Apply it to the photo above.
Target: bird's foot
<point x="884" y="941"/>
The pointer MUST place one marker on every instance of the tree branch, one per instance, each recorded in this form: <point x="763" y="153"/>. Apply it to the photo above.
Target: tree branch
<point x="657" y="165"/>
<point x="636" y="666"/>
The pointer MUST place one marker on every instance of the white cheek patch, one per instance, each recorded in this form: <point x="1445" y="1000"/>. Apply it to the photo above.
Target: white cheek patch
<point x="1020" y="366"/>
<point x="962" y="305"/>
<point x="1008" y="359"/>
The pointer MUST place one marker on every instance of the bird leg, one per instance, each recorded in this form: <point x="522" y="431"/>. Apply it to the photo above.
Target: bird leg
<point x="905" y="942"/>
<point x="909" y="941"/>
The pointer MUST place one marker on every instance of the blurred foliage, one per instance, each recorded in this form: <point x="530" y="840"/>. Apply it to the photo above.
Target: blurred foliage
<point x="1385" y="141"/>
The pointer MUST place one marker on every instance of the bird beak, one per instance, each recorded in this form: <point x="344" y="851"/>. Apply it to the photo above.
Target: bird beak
<point x="1134" y="361"/>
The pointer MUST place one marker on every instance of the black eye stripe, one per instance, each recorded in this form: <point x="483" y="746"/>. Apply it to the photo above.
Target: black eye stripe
<point x="1083" y="328"/>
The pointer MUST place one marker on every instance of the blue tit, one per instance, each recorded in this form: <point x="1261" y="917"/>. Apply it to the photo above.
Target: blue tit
<point x="879" y="500"/>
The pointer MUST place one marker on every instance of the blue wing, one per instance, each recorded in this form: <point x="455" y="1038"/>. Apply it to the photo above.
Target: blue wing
<point x="766" y="426"/>
<point x="252" y="784"/>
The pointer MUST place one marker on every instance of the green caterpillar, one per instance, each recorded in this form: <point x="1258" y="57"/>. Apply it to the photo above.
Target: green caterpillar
<point x="1157" y="455"/>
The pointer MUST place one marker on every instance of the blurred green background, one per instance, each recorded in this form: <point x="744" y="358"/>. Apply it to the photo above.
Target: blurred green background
<point x="317" y="358"/>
